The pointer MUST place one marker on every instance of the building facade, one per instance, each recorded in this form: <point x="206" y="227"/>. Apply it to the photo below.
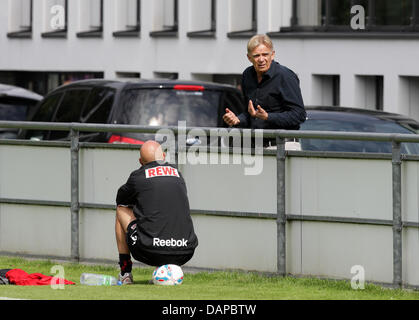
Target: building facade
<point x="355" y="53"/>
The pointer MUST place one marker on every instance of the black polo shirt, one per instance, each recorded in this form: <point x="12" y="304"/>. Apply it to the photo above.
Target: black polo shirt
<point x="160" y="203"/>
<point x="278" y="94"/>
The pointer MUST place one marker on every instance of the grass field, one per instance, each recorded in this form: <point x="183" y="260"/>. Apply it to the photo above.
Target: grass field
<point x="196" y="286"/>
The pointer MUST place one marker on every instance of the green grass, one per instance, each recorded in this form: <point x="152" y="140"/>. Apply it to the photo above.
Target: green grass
<point x="196" y="286"/>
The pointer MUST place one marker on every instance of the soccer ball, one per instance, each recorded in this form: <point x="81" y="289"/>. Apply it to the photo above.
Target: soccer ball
<point x="168" y="275"/>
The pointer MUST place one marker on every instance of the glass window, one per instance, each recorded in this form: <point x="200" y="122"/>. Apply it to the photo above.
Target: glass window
<point x="55" y="16"/>
<point x="329" y="15"/>
<point x="169" y="14"/>
<point x="336" y="12"/>
<point x="165" y="107"/>
<point x="98" y="106"/>
<point x="202" y="18"/>
<point x="69" y="110"/>
<point x="326" y="90"/>
<point x="20" y="17"/>
<point x="165" y="18"/>
<point x="132" y="14"/>
<point x="127" y="17"/>
<point x="12" y="112"/>
<point x="354" y="125"/>
<point x="44" y="113"/>
<point x="71" y="106"/>
<point x="90" y="18"/>
<point x="243" y="17"/>
<point x="96" y="14"/>
<point x="390" y="12"/>
<point x="46" y="109"/>
<point x="309" y="12"/>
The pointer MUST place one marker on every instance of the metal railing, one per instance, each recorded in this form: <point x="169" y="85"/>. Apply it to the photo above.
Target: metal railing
<point x="281" y="154"/>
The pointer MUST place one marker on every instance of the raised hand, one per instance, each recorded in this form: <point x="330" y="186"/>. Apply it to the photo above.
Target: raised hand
<point x="230" y="118"/>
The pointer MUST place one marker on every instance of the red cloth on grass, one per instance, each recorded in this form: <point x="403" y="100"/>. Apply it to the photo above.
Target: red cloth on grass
<point x="22" y="278"/>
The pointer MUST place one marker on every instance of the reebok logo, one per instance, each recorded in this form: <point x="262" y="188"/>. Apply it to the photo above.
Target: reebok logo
<point x="169" y="243"/>
<point x="161" y="171"/>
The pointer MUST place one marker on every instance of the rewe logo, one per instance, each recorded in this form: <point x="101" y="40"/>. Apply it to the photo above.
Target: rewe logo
<point x="169" y="242"/>
<point x="161" y="171"/>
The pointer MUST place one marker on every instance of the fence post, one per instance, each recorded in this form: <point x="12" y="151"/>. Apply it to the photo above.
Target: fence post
<point x="75" y="206"/>
<point x="280" y="206"/>
<point x="397" y="214"/>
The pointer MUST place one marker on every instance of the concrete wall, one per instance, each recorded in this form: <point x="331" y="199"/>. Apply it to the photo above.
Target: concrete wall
<point x="315" y="187"/>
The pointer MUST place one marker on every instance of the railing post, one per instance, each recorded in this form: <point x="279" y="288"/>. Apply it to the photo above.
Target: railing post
<point x="280" y="206"/>
<point x="397" y="214"/>
<point x="75" y="206"/>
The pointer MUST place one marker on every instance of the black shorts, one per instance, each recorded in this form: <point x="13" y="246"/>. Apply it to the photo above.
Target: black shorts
<point x="152" y="259"/>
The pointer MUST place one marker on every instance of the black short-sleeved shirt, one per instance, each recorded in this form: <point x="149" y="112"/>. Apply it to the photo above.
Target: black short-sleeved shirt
<point x="278" y="94"/>
<point x="160" y="203"/>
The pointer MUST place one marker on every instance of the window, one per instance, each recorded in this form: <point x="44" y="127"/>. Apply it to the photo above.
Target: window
<point x="166" y="75"/>
<point x="335" y="15"/>
<point x="202" y="18"/>
<point x="91" y="18"/>
<point x="69" y="110"/>
<point x="97" y="110"/>
<point x="369" y="92"/>
<point x="98" y="106"/>
<point x="231" y="79"/>
<point x="128" y="76"/>
<point x="243" y="18"/>
<point x="280" y="14"/>
<point x="47" y="108"/>
<point x="165" y="107"/>
<point x="354" y="122"/>
<point x="394" y="13"/>
<point x="128" y="14"/>
<point x="326" y="90"/>
<point x="165" y="21"/>
<point x="55" y="19"/>
<point x="13" y="111"/>
<point x="43" y="113"/>
<point x="409" y="96"/>
<point x="20" y="21"/>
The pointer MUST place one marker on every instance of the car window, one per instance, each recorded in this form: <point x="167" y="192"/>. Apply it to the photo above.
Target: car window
<point x="165" y="107"/>
<point x="69" y="110"/>
<point x="43" y="113"/>
<point x="46" y="109"/>
<point x="98" y="105"/>
<point x="370" y="125"/>
<point x="13" y="111"/>
<point x="71" y="105"/>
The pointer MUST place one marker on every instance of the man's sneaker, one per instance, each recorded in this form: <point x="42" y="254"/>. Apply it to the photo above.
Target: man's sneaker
<point x="126" y="278"/>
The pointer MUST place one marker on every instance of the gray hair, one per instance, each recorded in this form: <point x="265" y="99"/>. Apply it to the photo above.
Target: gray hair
<point x="257" y="40"/>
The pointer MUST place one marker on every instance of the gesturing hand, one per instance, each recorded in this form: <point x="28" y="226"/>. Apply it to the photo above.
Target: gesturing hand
<point x="230" y="118"/>
<point x="259" y="113"/>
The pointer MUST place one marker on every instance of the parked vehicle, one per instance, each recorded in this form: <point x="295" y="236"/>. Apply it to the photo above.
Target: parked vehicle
<point x="150" y="103"/>
<point x="15" y="104"/>
<point x="357" y="120"/>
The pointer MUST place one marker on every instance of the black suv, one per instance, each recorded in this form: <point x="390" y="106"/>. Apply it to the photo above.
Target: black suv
<point x="146" y="102"/>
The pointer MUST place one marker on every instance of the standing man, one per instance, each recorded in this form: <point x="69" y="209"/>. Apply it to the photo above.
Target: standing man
<point x="153" y="221"/>
<point x="271" y="90"/>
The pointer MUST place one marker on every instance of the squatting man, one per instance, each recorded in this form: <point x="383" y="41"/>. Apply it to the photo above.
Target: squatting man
<point x="153" y="221"/>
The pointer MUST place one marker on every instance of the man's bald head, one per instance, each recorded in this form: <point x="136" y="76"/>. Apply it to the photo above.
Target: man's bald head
<point x="151" y="151"/>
